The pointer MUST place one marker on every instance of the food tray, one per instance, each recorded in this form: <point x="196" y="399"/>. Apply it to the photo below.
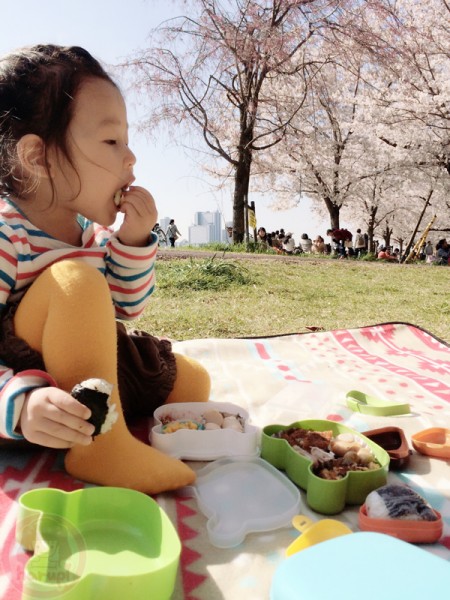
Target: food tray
<point x="324" y="496"/>
<point x="408" y="530"/>
<point x="191" y="444"/>
<point x="432" y="442"/>
<point x="115" y="540"/>
<point x="393" y="440"/>
<point x="243" y="495"/>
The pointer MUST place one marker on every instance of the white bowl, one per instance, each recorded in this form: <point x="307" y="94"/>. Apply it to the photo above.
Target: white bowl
<point x="191" y="444"/>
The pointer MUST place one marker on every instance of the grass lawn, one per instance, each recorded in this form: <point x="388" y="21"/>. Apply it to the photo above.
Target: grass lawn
<point x="244" y="297"/>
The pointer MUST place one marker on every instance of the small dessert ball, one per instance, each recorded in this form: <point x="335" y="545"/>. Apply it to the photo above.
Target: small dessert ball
<point x="232" y="423"/>
<point x="213" y="416"/>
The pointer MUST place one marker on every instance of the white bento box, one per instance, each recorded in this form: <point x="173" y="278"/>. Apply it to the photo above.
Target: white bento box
<point x="203" y="444"/>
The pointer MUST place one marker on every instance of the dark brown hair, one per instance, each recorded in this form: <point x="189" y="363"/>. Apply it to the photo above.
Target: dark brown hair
<point x="37" y="88"/>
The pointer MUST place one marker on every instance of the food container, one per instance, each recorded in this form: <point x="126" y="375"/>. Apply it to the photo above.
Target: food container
<point x="393" y="440"/>
<point x="243" y="495"/>
<point x="193" y="444"/>
<point x="103" y="542"/>
<point x="322" y="495"/>
<point x="363" y="565"/>
<point x="315" y="532"/>
<point x="432" y="442"/>
<point x="416" y="532"/>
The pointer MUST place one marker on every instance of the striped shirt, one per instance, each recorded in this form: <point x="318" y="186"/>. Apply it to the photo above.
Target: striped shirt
<point x="25" y="252"/>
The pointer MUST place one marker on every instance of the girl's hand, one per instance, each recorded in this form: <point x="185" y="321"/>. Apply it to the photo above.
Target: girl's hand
<point x="52" y="418"/>
<point x="140" y="213"/>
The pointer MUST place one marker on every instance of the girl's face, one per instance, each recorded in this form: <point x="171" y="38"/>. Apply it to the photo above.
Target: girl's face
<point x="98" y="144"/>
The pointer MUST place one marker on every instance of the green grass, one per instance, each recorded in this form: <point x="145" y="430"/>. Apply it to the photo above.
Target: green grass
<point x="240" y="297"/>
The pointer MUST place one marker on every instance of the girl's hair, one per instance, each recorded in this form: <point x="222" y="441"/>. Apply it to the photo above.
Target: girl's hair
<point x="37" y="89"/>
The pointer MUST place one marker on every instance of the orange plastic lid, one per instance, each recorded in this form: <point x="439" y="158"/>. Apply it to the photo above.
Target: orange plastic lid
<point x="416" y="532"/>
<point x="433" y="442"/>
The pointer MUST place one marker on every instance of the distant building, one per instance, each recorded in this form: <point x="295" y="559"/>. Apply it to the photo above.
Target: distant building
<point x="164" y="223"/>
<point x="206" y="228"/>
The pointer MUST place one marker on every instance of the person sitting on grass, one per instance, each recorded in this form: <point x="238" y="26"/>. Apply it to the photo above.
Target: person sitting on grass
<point x="318" y="245"/>
<point x="306" y="243"/>
<point x="442" y="252"/>
<point x="384" y="254"/>
<point x="288" y="244"/>
<point x="262" y="239"/>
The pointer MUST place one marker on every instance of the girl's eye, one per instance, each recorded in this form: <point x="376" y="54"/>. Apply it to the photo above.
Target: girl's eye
<point x="111" y="142"/>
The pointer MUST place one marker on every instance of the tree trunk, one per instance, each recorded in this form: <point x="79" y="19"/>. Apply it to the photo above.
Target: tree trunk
<point x="371" y="228"/>
<point x="241" y="187"/>
<point x="334" y="212"/>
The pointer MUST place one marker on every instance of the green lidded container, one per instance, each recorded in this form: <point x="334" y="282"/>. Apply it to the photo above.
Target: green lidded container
<point x="328" y="497"/>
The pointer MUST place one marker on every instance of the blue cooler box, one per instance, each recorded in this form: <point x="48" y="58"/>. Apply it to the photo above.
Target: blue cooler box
<point x="362" y="566"/>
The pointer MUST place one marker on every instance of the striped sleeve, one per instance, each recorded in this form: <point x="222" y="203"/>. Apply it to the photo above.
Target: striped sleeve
<point x="8" y="265"/>
<point x="13" y="389"/>
<point x="130" y="272"/>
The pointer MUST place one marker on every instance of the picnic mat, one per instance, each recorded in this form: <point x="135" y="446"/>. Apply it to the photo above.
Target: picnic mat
<point x="277" y="380"/>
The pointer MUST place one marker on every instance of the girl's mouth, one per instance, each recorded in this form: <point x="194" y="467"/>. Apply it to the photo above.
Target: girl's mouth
<point x="118" y="197"/>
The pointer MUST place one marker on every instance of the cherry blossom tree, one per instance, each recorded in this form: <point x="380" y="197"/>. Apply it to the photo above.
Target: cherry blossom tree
<point x="413" y="101"/>
<point x="216" y="70"/>
<point x="209" y="70"/>
<point x="375" y="92"/>
<point x="330" y="144"/>
<point x="340" y="100"/>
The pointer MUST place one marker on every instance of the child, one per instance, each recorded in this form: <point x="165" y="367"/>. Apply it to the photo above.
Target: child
<point x="65" y="172"/>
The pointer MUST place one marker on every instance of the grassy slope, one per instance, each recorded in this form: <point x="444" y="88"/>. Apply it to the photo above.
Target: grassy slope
<point x="286" y="296"/>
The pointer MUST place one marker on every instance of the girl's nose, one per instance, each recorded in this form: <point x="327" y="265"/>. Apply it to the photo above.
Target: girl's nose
<point x="130" y="158"/>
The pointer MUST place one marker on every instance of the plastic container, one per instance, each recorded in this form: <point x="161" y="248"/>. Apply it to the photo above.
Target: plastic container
<point x="111" y="539"/>
<point x="363" y="565"/>
<point x="189" y="444"/>
<point x="393" y="440"/>
<point x="432" y="442"/>
<point x="315" y="532"/>
<point x="322" y="495"/>
<point x="243" y="495"/>
<point x="369" y="405"/>
<point x="416" y="532"/>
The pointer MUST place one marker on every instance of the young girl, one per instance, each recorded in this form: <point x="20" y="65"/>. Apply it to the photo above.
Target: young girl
<point x="65" y="172"/>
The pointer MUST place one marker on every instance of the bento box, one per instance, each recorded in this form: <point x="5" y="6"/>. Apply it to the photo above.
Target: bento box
<point x="96" y="542"/>
<point x="182" y="430"/>
<point x="324" y="495"/>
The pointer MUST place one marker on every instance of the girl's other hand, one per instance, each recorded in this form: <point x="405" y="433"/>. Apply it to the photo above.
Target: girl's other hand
<point x="140" y="217"/>
<point x="53" y="418"/>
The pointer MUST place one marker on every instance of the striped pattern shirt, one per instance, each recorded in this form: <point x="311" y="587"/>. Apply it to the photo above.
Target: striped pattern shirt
<point x="25" y="252"/>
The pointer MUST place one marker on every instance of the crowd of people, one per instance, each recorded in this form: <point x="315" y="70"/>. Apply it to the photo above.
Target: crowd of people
<point x="343" y="244"/>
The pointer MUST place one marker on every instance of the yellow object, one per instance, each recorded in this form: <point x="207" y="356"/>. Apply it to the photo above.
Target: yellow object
<point x="314" y="533"/>
<point x="177" y="425"/>
<point x="420" y="244"/>
<point x="67" y="315"/>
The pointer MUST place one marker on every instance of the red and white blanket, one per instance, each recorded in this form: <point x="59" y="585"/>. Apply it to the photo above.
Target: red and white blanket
<point x="277" y="380"/>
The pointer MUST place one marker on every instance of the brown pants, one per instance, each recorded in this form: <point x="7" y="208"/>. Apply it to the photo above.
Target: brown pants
<point x="146" y="364"/>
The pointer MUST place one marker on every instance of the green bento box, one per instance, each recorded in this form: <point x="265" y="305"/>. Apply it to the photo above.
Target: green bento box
<point x="322" y="495"/>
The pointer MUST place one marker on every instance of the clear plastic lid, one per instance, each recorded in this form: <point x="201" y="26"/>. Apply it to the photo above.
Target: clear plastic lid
<point x="241" y="495"/>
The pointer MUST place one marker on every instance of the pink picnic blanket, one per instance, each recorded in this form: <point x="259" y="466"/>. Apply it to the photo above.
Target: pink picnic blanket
<point x="279" y="380"/>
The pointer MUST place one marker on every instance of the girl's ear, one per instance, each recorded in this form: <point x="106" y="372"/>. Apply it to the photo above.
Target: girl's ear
<point x="31" y="155"/>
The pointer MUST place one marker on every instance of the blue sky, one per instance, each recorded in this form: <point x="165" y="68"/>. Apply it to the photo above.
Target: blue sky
<point x="112" y="30"/>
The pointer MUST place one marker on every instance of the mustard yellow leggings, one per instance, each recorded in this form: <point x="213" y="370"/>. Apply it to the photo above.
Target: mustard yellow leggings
<point x="68" y="316"/>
